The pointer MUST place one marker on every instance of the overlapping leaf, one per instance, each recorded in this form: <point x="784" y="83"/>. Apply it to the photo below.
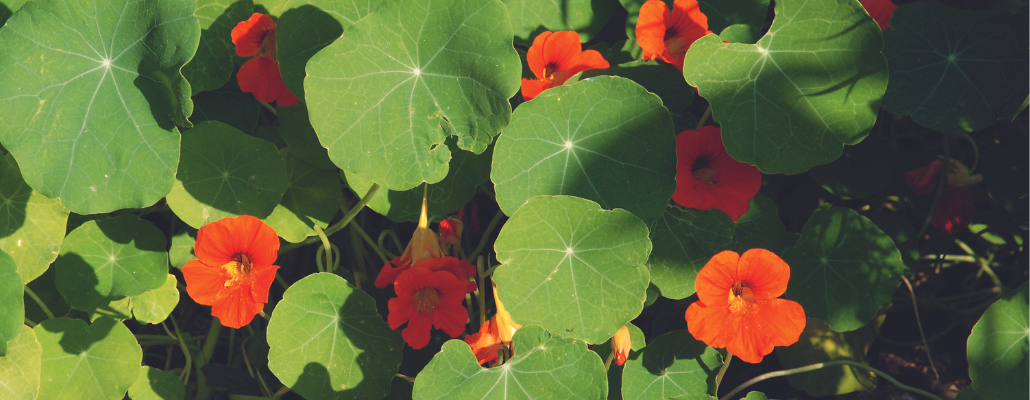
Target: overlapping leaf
<point x="661" y="79"/>
<point x="211" y="67"/>
<point x="819" y="343"/>
<point x="19" y="369"/>
<point x="743" y="18"/>
<point x="95" y="362"/>
<point x="956" y="70"/>
<point x="571" y="267"/>
<point x="386" y="94"/>
<point x="89" y="92"/>
<point x="296" y="131"/>
<point x="759" y="228"/>
<point x="12" y="306"/>
<point x="531" y="17"/>
<point x="155" y="384"/>
<point x="543" y="366"/>
<point x="998" y="348"/>
<point x="31" y="225"/>
<point x="328" y="342"/>
<point x="312" y="198"/>
<point x="151" y="307"/>
<point x="811" y="85"/>
<point x="604" y="139"/>
<point x="673" y="364"/>
<point x="231" y="106"/>
<point x="683" y="241"/>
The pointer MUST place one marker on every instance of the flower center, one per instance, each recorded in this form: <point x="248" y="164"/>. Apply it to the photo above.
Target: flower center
<point x="552" y="74"/>
<point x="238" y="270"/>
<point x="703" y="171"/>
<point x="268" y="44"/>
<point x="677" y="46"/>
<point x="741" y="298"/>
<point x="426" y="299"/>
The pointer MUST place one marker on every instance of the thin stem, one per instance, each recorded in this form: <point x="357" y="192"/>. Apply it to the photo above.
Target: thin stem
<point x="392" y="235"/>
<point x="269" y="108"/>
<point x="185" y="374"/>
<point x="481" y="295"/>
<point x="486" y="235"/>
<point x="46" y="310"/>
<point x="821" y="365"/>
<point x="282" y="391"/>
<point x="608" y="362"/>
<point x="246" y="360"/>
<point x="282" y="282"/>
<point x="339" y="225"/>
<point x="976" y="151"/>
<point x="919" y="324"/>
<point x="30" y="323"/>
<point x="371" y="243"/>
<point x="722" y="371"/>
<point x="326" y="249"/>
<point x="407" y="378"/>
<point x="704" y="118"/>
<point x="942" y="180"/>
<point x="232" y="340"/>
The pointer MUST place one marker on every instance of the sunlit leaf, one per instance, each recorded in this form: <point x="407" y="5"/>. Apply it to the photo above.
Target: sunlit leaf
<point x="181" y="251"/>
<point x="19" y="369"/>
<point x="95" y="362"/>
<point x="811" y="85"/>
<point x="604" y="139"/>
<point x="386" y="94"/>
<point x="109" y="258"/>
<point x="211" y="67"/>
<point x="90" y="92"/>
<point x="543" y="366"/>
<point x="843" y="268"/>
<point x="312" y="198"/>
<point x="673" y="364"/>
<point x="819" y="343"/>
<point x="571" y="267"/>
<point x="155" y="384"/>
<point x="683" y="241"/>
<point x="226" y="173"/>
<point x="956" y="70"/>
<point x="759" y="228"/>
<point x="531" y="17"/>
<point x="8" y="7"/>
<point x="151" y="307"/>
<point x="12" y="306"/>
<point x="997" y="348"/>
<point x="328" y="342"/>
<point x="31" y="225"/>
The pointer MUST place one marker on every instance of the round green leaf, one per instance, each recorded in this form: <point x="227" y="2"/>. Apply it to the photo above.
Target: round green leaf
<point x="151" y="307"/>
<point x="572" y="268"/>
<point x="759" y="228"/>
<point x="12" y="304"/>
<point x="95" y="362"/>
<point x="956" y="70"/>
<point x="843" y="268"/>
<point x="683" y="241"/>
<point x="661" y="79"/>
<point x="155" y="384"/>
<point x="997" y="348"/>
<point x="543" y="366"/>
<point x="386" y="94"/>
<point x="105" y="259"/>
<point x="19" y="369"/>
<point x="811" y="85"/>
<point x="312" y="198"/>
<point x="31" y="225"/>
<point x="756" y="396"/>
<point x="226" y="173"/>
<point x="213" y="65"/>
<point x="604" y="139"/>
<point x="296" y="131"/>
<point x="89" y="94"/>
<point x="531" y="17"/>
<point x="328" y="342"/>
<point x="181" y="251"/>
<point x="673" y="364"/>
<point x="8" y="7"/>
<point x="863" y="169"/>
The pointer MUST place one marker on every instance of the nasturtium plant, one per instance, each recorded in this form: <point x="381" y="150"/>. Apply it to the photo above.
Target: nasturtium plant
<point x="312" y="198"/>
<point x="674" y="364"/>
<point x="98" y="361"/>
<point x="20" y="367"/>
<point x="682" y="241"/>
<point x="155" y="384"/>
<point x="213" y="63"/>
<point x="151" y="307"/>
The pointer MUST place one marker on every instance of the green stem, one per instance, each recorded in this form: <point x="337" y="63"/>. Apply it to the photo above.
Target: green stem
<point x="704" y="118"/>
<point x="368" y="239"/>
<point x="185" y="374"/>
<point x="481" y="296"/>
<point x="919" y="324"/>
<point x="821" y="365"/>
<point x="282" y="282"/>
<point x="30" y="323"/>
<point x="46" y="310"/>
<point x="204" y="390"/>
<point x="339" y="225"/>
<point x="325" y="249"/>
<point x="608" y="362"/>
<point x="722" y="371"/>
<point x="486" y="235"/>
<point x="407" y="378"/>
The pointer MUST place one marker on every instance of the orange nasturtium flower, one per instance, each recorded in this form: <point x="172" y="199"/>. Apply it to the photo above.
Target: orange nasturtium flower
<point x="425" y="299"/>
<point x="554" y="57"/>
<point x="621" y="344"/>
<point x="495" y="332"/>
<point x="233" y="270"/>
<point x="738" y="307"/>
<point x="707" y="177"/>
<point x="260" y="75"/>
<point x="667" y="35"/>
<point x="881" y="11"/>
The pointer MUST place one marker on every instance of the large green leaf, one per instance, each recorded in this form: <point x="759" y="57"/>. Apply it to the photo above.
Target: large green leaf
<point x="328" y="342"/>
<point x="386" y="94"/>
<point x="811" y="85"/>
<point x="95" y="362"/>
<point x="312" y="198"/>
<point x="155" y="384"/>
<point x="89" y="92"/>
<point x="673" y="364"/>
<point x="102" y="260"/>
<point x="683" y="241"/>
<point x="997" y="348"/>
<point x="605" y="139"/>
<point x="19" y="369"/>
<point x="151" y="307"/>
<point x="543" y="366"/>
<point x="843" y="268"/>
<point x="956" y="70"/>
<point x="531" y="17"/>
<point x="759" y="228"/>
<point x="8" y="7"/>
<point x="296" y="131"/>
<point x="213" y="65"/>
<point x="31" y="225"/>
<point x="12" y="305"/>
<point x="571" y="267"/>
<point x="226" y="173"/>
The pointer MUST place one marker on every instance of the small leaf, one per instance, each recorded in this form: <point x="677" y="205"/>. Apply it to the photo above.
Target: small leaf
<point x="998" y="348"/>
<point x="543" y="366"/>
<point x="531" y="17"/>
<point x="155" y="384"/>
<point x="31" y="225"/>
<point x="95" y="362"/>
<point x="181" y="251"/>
<point x="312" y="198"/>
<point x="213" y="65"/>
<point x="19" y="369"/>
<point x="12" y="304"/>
<point x="572" y="268"/>
<point x="683" y="241"/>
<point x="759" y="228"/>
<point x="673" y="364"/>
<point x="151" y="307"/>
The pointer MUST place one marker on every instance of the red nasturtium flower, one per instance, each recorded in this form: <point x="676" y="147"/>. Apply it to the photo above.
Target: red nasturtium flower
<point x="955" y="210"/>
<point x="554" y="57"/>
<point x="234" y="268"/>
<point x="881" y="11"/>
<point x="621" y="344"/>
<point x="738" y="307"/>
<point x="667" y="35"/>
<point x="427" y="299"/>
<point x="424" y="245"/>
<point x="707" y="177"/>
<point x="260" y="75"/>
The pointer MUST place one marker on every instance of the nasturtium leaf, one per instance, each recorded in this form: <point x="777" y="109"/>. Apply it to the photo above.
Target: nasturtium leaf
<point x="12" y="304"/>
<point x="89" y="92"/>
<point x="749" y="15"/>
<point x="466" y="172"/>
<point x="155" y="384"/>
<point x="843" y="268"/>
<point x="756" y="396"/>
<point x="105" y="259"/>
<point x="386" y="94"/>
<point x="328" y="342"/>
<point x="759" y="228"/>
<point x="637" y="341"/>
<point x="151" y="307"/>
<point x="956" y="70"/>
<point x="31" y="225"/>
<point x="673" y="364"/>
<point x="861" y="170"/>
<point x="819" y="343"/>
<point x="604" y="139"/>
<point x="811" y="85"/>
<point x="19" y="369"/>
<point x="682" y="241"/>
<point x="226" y="173"/>
<point x="739" y="33"/>
<point x="212" y="66"/>
<point x="997" y="348"/>
<point x="95" y="362"/>
<point x="571" y="267"/>
<point x="312" y="198"/>
<point x="661" y="79"/>
<point x="45" y="289"/>
<point x="296" y="131"/>
<point x="8" y="7"/>
<point x="233" y="107"/>
<point x="531" y="17"/>
<point x="181" y="251"/>
<point x="543" y="366"/>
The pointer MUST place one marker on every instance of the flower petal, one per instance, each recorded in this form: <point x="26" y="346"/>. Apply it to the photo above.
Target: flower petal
<point x="881" y="11"/>
<point x="716" y="278"/>
<point x="533" y="87"/>
<point x="450" y="318"/>
<point x="249" y="35"/>
<point x="221" y="241"/>
<point x="651" y="26"/>
<point x="262" y="282"/>
<point x="782" y="320"/>
<point x="391" y="270"/>
<point x="237" y="309"/>
<point x="715" y="326"/>
<point x="922" y="181"/>
<point x="205" y="284"/>
<point x="416" y="334"/>
<point x="955" y="210"/>
<point x="766" y="273"/>
<point x="401" y="309"/>
<point x="559" y="49"/>
<point x="260" y="76"/>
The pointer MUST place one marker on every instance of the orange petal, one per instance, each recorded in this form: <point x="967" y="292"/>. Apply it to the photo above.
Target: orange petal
<point x="533" y="88"/>
<point x="535" y="55"/>
<point x="205" y="284"/>
<point x="262" y="282"/>
<point x="717" y="327"/>
<point x="560" y="49"/>
<point x="765" y="273"/>
<point x="249" y="35"/>
<point x="783" y="320"/>
<point x="651" y="26"/>
<point x="716" y="278"/>
<point x="237" y="309"/>
<point x="484" y="343"/>
<point x="922" y="181"/>
<point x="589" y="59"/>
<point x="220" y="242"/>
<point x="621" y="343"/>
